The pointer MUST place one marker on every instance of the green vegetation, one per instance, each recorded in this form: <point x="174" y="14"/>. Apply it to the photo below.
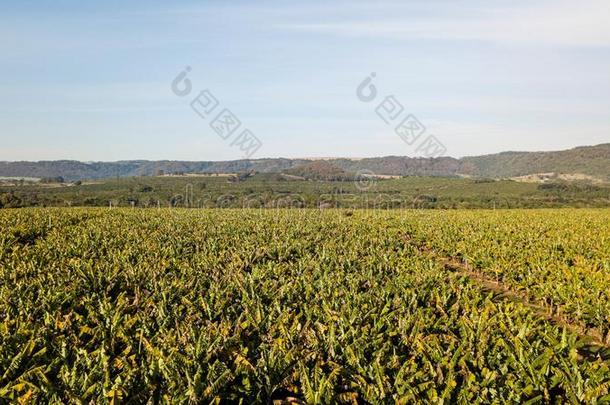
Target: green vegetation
<point x="566" y="268"/>
<point x="276" y="190"/>
<point x="322" y="306"/>
<point x="320" y="170"/>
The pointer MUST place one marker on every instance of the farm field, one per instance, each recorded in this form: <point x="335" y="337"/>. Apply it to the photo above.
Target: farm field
<point x="166" y="305"/>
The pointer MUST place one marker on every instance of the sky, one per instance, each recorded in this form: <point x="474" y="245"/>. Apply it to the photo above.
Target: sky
<point x="93" y="80"/>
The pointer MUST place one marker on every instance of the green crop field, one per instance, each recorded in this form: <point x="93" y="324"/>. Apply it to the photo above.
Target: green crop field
<point x="126" y="305"/>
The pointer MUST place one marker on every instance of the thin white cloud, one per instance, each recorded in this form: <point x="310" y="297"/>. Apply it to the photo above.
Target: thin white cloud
<point x="555" y="23"/>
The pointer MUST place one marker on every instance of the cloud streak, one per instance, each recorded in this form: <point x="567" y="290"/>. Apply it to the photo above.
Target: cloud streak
<point x="557" y="23"/>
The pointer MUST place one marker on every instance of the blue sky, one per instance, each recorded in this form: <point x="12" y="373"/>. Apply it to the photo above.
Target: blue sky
<point x="91" y="80"/>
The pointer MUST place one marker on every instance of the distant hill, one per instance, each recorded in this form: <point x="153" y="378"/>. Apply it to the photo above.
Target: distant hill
<point x="592" y="161"/>
<point x="589" y="160"/>
<point x="320" y="170"/>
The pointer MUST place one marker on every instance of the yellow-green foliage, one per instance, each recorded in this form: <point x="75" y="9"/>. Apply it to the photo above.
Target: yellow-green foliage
<point x="199" y="306"/>
<point x="559" y="257"/>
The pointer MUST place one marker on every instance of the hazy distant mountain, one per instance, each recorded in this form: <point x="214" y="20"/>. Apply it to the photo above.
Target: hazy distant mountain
<point x="320" y="170"/>
<point x="587" y="160"/>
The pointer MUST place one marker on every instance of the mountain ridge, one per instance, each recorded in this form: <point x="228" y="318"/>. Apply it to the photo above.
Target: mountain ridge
<point x="588" y="160"/>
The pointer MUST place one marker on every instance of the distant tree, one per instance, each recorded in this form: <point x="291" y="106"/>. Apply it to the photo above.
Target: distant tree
<point x="10" y="200"/>
<point x="176" y="200"/>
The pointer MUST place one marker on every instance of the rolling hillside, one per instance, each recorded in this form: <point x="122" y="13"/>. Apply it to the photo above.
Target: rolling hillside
<point x="591" y="161"/>
<point x="588" y="160"/>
